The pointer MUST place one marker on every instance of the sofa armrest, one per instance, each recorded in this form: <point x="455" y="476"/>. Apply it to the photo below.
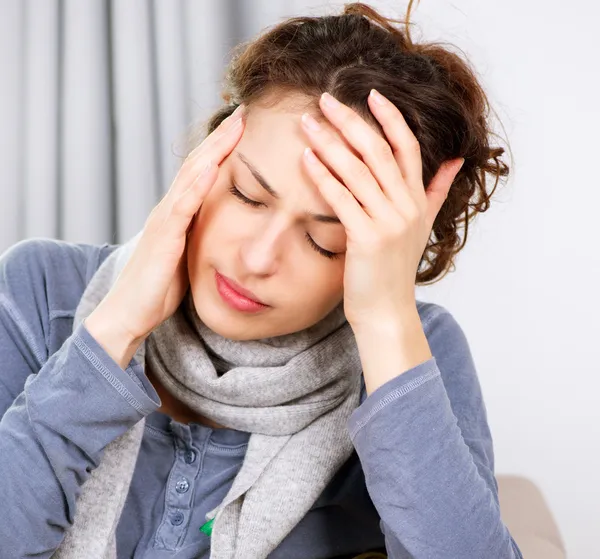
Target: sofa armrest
<point x="528" y="518"/>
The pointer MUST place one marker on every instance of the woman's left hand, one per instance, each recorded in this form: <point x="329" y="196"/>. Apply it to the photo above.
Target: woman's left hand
<point x="382" y="203"/>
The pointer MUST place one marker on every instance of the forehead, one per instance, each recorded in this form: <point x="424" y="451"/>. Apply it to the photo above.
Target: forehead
<point x="273" y="129"/>
<point x="273" y="142"/>
<point x="276" y="129"/>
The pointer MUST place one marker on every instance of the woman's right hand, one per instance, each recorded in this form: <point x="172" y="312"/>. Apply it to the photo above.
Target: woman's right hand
<point x="154" y="281"/>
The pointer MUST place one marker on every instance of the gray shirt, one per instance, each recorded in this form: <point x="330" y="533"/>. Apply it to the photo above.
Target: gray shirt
<point x="420" y="483"/>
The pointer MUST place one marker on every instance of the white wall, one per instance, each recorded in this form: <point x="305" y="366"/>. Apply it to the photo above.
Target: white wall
<point x="526" y="285"/>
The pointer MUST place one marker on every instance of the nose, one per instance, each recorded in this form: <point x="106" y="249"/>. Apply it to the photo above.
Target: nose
<point x="260" y="252"/>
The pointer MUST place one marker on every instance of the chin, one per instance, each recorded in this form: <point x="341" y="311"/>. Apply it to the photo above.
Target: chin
<point x="231" y="332"/>
<point x="226" y="322"/>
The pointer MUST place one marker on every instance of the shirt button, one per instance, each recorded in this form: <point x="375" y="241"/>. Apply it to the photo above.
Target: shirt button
<point x="182" y="486"/>
<point x="190" y="456"/>
<point x="177" y="518"/>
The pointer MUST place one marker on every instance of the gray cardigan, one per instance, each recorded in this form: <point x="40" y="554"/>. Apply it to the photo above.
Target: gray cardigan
<point x="420" y="484"/>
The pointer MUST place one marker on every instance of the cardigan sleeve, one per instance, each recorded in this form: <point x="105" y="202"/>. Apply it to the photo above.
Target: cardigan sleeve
<point x="426" y="451"/>
<point x="57" y="411"/>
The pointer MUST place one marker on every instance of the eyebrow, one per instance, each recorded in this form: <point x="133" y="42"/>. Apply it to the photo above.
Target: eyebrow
<point x="262" y="181"/>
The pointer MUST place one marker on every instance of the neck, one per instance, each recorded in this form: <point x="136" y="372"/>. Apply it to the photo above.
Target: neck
<point x="172" y="407"/>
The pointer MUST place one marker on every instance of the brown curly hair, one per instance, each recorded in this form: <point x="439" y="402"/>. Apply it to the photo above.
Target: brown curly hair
<point x="435" y="89"/>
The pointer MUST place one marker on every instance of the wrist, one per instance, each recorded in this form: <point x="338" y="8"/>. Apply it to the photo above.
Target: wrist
<point x="389" y="346"/>
<point x="390" y="324"/>
<point x="115" y="340"/>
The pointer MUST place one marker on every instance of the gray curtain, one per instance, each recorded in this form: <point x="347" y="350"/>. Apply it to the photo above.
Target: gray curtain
<point x="96" y="100"/>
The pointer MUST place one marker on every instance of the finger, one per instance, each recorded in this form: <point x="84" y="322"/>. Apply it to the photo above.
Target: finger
<point x="375" y="150"/>
<point x="405" y="146"/>
<point x="221" y="129"/>
<point x="216" y="146"/>
<point x="188" y="175"/>
<point x="438" y="189"/>
<point x="355" y="175"/>
<point x="182" y="209"/>
<point x="342" y="201"/>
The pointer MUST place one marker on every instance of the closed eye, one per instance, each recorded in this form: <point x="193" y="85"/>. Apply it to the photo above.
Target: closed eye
<point x="326" y="253"/>
<point x="241" y="197"/>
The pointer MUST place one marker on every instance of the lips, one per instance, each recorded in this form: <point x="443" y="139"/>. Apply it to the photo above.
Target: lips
<point x="242" y="291"/>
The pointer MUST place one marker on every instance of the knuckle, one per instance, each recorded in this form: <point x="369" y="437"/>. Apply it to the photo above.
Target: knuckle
<point x="180" y="205"/>
<point x="185" y="173"/>
<point x="327" y="141"/>
<point x="412" y="214"/>
<point x="362" y="172"/>
<point x="342" y="195"/>
<point x="415" y="146"/>
<point x="396" y="230"/>
<point x="190" y="175"/>
<point x="197" y="169"/>
<point x="381" y="148"/>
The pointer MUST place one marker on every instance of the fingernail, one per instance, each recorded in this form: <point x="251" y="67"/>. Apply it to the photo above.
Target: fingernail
<point x="310" y="156"/>
<point x="330" y="101"/>
<point x="377" y="97"/>
<point x="310" y="122"/>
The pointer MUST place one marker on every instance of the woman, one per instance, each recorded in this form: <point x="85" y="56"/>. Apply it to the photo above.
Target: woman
<point x="252" y="375"/>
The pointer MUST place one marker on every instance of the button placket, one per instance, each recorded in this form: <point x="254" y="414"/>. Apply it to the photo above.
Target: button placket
<point x="179" y="490"/>
<point x="177" y="518"/>
<point x="182" y="485"/>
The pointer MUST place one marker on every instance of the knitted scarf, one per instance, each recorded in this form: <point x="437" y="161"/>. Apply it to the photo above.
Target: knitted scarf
<point x="293" y="393"/>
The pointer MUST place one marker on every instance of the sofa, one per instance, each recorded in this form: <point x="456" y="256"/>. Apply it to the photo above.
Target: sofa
<point x="528" y="518"/>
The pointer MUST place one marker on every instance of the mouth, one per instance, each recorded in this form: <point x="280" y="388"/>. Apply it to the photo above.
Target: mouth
<point x="237" y="296"/>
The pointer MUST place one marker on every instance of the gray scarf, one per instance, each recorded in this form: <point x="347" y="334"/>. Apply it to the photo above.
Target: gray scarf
<point x="293" y="393"/>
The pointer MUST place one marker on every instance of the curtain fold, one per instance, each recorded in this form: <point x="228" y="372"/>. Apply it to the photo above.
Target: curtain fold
<point x="97" y="98"/>
<point x="85" y="175"/>
<point x="40" y="99"/>
<point x="12" y="117"/>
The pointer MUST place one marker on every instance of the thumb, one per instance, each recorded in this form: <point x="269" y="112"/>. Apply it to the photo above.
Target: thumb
<point x="439" y="187"/>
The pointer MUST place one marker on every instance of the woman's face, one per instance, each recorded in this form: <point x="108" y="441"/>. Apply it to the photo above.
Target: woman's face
<point x="265" y="245"/>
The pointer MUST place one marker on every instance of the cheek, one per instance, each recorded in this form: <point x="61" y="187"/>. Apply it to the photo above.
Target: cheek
<point x="321" y="285"/>
<point x="216" y="219"/>
<point x="206" y="227"/>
